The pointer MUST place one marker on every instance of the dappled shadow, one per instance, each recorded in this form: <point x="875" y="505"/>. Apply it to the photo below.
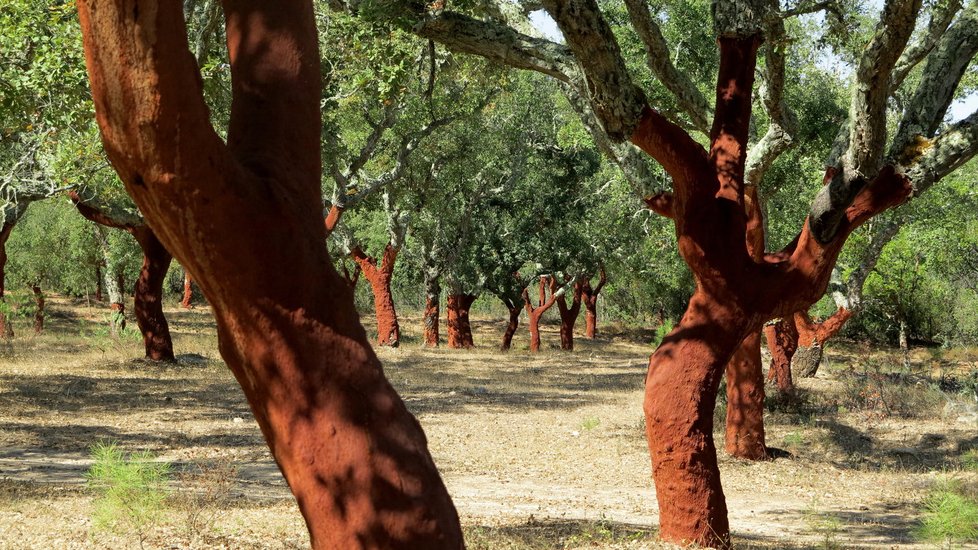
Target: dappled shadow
<point x="556" y="533"/>
<point x="882" y="526"/>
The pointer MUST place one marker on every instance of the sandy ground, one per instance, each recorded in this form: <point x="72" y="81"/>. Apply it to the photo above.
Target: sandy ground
<point x="538" y="451"/>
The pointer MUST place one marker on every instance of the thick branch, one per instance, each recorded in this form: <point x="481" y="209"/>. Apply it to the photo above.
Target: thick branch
<point x="617" y="101"/>
<point x="104" y="214"/>
<point x="942" y="74"/>
<point x="660" y="63"/>
<point x="728" y="137"/>
<point x="941" y="16"/>
<point x="952" y="148"/>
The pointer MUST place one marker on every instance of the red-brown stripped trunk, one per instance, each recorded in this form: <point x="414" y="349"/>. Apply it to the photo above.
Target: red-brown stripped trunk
<point x="534" y="314"/>
<point x="6" y="327"/>
<point x="431" y="313"/>
<point x="459" y="326"/>
<point x="243" y="216"/>
<point x="782" y="340"/>
<point x="188" y="291"/>
<point x="812" y="336"/>
<point x="511" y="326"/>
<point x="379" y="277"/>
<point x="38" y="308"/>
<point x="148" y="301"/>
<point x="590" y="299"/>
<point x="568" y="315"/>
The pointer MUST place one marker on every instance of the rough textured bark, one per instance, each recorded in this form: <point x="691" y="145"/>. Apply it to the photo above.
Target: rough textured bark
<point x="148" y="301"/>
<point x="38" y="308"/>
<point x="569" y="314"/>
<point x="513" y="324"/>
<point x="459" y="328"/>
<point x="245" y="219"/>
<point x="98" y="283"/>
<point x="6" y="327"/>
<point x="430" y="318"/>
<point x="782" y="341"/>
<point x="188" y="291"/>
<point x="590" y="299"/>
<point x="534" y="314"/>
<point x="745" y="401"/>
<point x="379" y="277"/>
<point x="811" y="340"/>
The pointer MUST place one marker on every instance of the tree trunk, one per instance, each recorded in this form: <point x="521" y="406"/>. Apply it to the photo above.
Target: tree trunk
<point x="6" y="327"/>
<point x="243" y="214"/>
<point x="745" y="401"/>
<point x="38" y="309"/>
<point x="188" y="291"/>
<point x="459" y="328"/>
<point x="514" y="323"/>
<point x="680" y="395"/>
<point x="430" y="319"/>
<point x="117" y="303"/>
<point x="782" y="341"/>
<point x="904" y="346"/>
<point x="590" y="299"/>
<point x="98" y="283"/>
<point x="148" y="302"/>
<point x="811" y="340"/>
<point x="536" y="313"/>
<point x="388" y="329"/>
<point x="568" y="316"/>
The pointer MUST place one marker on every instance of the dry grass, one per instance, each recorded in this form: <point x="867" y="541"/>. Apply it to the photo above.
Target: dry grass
<point x="540" y="451"/>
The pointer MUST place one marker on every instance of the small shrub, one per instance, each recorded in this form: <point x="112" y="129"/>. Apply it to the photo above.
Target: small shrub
<point x="824" y="525"/>
<point x="590" y="423"/>
<point x="203" y="495"/>
<point x="661" y="332"/>
<point x="131" y="491"/>
<point x="950" y="516"/>
<point x="793" y="440"/>
<point x="969" y="460"/>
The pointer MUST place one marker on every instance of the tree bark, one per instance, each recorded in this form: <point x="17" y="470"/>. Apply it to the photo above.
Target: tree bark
<point x="568" y="315"/>
<point x="244" y="217"/>
<point x="388" y="329"/>
<point x="430" y="318"/>
<point x="590" y="299"/>
<point x="98" y="283"/>
<point x="38" y="308"/>
<point x="148" y="302"/>
<point x="6" y="327"/>
<point x="811" y="340"/>
<point x="782" y="341"/>
<point x="513" y="324"/>
<point x="536" y="313"/>
<point x="188" y="291"/>
<point x="745" y="401"/>
<point x="459" y="327"/>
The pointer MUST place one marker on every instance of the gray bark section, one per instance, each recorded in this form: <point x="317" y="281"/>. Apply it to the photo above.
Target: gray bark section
<point x="941" y="15"/>
<point x="940" y="77"/>
<point x="954" y="147"/>
<point x="616" y="100"/>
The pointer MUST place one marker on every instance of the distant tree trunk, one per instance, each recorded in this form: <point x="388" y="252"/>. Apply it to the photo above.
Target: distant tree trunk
<point x="782" y="340"/>
<point x="388" y="329"/>
<point x="98" y="282"/>
<point x="568" y="314"/>
<point x="351" y="278"/>
<point x="117" y="302"/>
<point x="904" y="345"/>
<point x="514" y="323"/>
<point x="38" y="309"/>
<point x="188" y="291"/>
<point x="148" y="302"/>
<point x="535" y="313"/>
<point x="459" y="327"/>
<point x="431" y="313"/>
<point x="6" y="327"/>
<point x="811" y="340"/>
<point x="590" y="299"/>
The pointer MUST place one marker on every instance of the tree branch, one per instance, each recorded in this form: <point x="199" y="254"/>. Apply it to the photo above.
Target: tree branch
<point x="952" y="148"/>
<point x="104" y="214"/>
<point x="941" y="16"/>
<point x="731" y="124"/>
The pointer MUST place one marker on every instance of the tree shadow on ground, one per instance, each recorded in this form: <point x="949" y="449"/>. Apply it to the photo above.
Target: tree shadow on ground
<point x="885" y="526"/>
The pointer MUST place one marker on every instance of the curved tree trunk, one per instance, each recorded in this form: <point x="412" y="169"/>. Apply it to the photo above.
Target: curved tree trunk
<point x="117" y="302"/>
<point x="38" y="308"/>
<point x="6" y="327"/>
<point x="243" y="215"/>
<point x="745" y="401"/>
<point x="388" y="329"/>
<point x="782" y="341"/>
<point x="459" y="327"/>
<point x="511" y="326"/>
<point x="188" y="291"/>
<point x="568" y="316"/>
<point x="534" y="314"/>
<point x="590" y="299"/>
<point x="430" y="318"/>
<point x="148" y="302"/>
<point x="811" y="340"/>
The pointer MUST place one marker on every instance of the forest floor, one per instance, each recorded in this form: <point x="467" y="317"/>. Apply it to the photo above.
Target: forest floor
<point x="538" y="451"/>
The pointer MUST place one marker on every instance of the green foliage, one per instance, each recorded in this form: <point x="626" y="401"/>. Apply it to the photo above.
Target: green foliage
<point x="824" y="525"/>
<point x="950" y="515"/>
<point x="661" y="332"/>
<point x="131" y="491"/>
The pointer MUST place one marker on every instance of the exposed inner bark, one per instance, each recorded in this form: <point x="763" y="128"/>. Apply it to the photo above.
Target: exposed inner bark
<point x="430" y="318"/>
<point x="188" y="291"/>
<point x="568" y="314"/>
<point x="459" y="327"/>
<point x="245" y="220"/>
<point x="38" y="308"/>
<point x="745" y="401"/>
<point x="782" y="341"/>
<point x="511" y="326"/>
<point x="811" y="340"/>
<point x="590" y="298"/>
<point x="535" y="313"/>
<point x="148" y="302"/>
<point x="6" y="327"/>
<point x="379" y="277"/>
